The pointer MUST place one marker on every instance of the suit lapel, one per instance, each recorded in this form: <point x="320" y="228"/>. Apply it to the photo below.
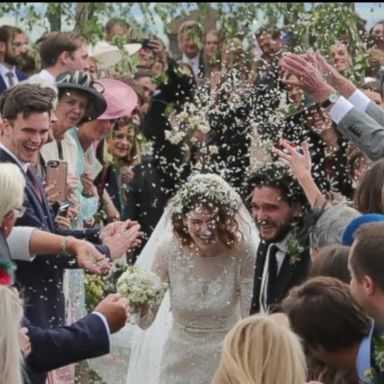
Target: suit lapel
<point x="289" y="274"/>
<point x="3" y="86"/>
<point x="42" y="208"/>
<point x="20" y="75"/>
<point x="259" y="267"/>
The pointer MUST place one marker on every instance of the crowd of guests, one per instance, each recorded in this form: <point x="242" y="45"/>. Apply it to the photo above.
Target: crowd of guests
<point x="299" y="141"/>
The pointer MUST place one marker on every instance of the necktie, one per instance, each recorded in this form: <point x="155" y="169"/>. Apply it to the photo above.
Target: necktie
<point x="272" y="273"/>
<point x="11" y="81"/>
<point x="31" y="176"/>
<point x="268" y="279"/>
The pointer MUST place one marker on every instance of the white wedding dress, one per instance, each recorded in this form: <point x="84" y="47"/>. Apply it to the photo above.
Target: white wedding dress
<point x="207" y="296"/>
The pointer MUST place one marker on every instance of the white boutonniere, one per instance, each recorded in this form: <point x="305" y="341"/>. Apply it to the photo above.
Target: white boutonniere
<point x="294" y="250"/>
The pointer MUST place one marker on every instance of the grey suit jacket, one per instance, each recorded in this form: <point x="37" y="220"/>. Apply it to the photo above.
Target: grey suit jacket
<point x="365" y="130"/>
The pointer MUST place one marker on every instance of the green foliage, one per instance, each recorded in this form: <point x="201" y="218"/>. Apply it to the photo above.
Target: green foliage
<point x="330" y="23"/>
<point x="97" y="287"/>
<point x="325" y="24"/>
<point x="127" y="65"/>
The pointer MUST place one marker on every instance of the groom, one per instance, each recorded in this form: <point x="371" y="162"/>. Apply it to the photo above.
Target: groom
<point x="282" y="257"/>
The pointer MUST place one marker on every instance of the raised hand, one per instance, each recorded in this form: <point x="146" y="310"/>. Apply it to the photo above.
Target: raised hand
<point x="63" y="222"/>
<point x="343" y="85"/>
<point x="127" y="174"/>
<point x="89" y="189"/>
<point x="299" y="163"/>
<point x="52" y="193"/>
<point x="87" y="256"/>
<point x="308" y="77"/>
<point x="73" y="182"/>
<point x="121" y="236"/>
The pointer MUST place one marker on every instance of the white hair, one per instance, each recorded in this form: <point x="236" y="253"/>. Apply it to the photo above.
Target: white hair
<point x="329" y="228"/>
<point x="11" y="312"/>
<point x="12" y="184"/>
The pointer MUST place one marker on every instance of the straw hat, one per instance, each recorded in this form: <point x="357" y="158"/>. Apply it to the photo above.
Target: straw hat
<point x="132" y="48"/>
<point x="105" y="54"/>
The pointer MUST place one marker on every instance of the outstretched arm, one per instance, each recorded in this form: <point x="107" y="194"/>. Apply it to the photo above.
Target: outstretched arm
<point x="300" y="165"/>
<point x="30" y="241"/>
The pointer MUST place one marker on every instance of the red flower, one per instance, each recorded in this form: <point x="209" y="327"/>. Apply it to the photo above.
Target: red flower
<point x="5" y="277"/>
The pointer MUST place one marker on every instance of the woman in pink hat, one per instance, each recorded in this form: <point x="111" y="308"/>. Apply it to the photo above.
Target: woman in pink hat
<point x="121" y="102"/>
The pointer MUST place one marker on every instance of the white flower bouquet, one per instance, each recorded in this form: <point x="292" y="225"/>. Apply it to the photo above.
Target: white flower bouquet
<point x="141" y="287"/>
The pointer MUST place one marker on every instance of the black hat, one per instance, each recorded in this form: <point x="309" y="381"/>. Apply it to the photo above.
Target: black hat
<point x="83" y="81"/>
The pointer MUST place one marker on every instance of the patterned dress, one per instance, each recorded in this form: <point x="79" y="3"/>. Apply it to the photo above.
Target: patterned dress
<point x="208" y="296"/>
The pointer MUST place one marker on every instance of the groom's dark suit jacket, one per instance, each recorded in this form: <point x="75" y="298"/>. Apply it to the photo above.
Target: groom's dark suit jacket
<point x="40" y="281"/>
<point x="290" y="275"/>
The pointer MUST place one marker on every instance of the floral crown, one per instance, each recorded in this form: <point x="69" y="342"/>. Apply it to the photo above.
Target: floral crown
<point x="207" y="191"/>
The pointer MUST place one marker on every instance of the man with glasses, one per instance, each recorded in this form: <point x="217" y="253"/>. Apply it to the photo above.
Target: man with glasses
<point x="12" y="51"/>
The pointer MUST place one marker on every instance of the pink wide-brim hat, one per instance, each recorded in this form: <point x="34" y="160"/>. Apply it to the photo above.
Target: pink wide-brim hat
<point x="121" y="99"/>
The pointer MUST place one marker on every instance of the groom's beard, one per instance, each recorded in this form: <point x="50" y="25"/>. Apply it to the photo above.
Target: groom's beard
<point x="278" y="231"/>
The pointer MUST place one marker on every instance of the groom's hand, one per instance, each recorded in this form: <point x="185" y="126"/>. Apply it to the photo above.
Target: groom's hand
<point x="115" y="308"/>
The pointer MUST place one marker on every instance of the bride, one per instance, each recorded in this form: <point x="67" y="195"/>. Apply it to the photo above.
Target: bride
<point x="204" y="247"/>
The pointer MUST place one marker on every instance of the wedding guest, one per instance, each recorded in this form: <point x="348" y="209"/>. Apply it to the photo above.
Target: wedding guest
<point x="206" y="255"/>
<point x="334" y="328"/>
<point x="51" y="348"/>
<point x="261" y="349"/>
<point x="190" y="37"/>
<point x="331" y="261"/>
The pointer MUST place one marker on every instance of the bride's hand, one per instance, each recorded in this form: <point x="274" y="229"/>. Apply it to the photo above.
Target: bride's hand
<point x="142" y="310"/>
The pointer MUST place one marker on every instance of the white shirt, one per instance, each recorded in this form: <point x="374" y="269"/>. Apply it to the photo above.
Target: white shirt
<point x="3" y="72"/>
<point x="43" y="77"/>
<point x="358" y="99"/>
<point x="194" y="63"/>
<point x="280" y="254"/>
<point x="18" y="242"/>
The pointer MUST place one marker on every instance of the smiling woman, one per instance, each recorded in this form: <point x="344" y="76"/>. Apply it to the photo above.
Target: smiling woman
<point x="206" y="255"/>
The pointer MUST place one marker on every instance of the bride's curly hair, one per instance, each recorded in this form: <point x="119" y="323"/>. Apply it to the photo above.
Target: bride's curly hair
<point x="211" y="195"/>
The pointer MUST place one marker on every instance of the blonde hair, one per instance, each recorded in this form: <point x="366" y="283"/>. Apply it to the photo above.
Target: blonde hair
<point x="12" y="184"/>
<point x="190" y="25"/>
<point x="261" y="349"/>
<point x="11" y="312"/>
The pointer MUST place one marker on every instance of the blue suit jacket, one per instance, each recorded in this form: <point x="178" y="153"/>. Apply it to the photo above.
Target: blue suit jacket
<point x="41" y="281"/>
<point x="54" y="348"/>
<point x="20" y="76"/>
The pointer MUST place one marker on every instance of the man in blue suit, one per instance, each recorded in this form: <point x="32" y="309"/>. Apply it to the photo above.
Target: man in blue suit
<point x="26" y="110"/>
<point x="13" y="47"/>
<point x="47" y="349"/>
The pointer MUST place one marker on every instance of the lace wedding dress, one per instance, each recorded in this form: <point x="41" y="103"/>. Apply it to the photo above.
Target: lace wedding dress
<point x="207" y="296"/>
